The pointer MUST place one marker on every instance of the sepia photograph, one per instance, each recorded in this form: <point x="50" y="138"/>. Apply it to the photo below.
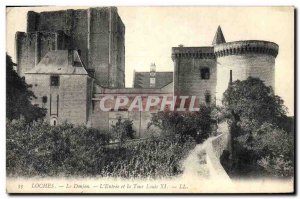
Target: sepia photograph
<point x="150" y="99"/>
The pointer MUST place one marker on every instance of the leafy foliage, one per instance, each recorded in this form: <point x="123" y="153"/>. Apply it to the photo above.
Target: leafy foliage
<point x="253" y="103"/>
<point x="272" y="147"/>
<point x="18" y="96"/>
<point x="260" y="128"/>
<point x="198" y="124"/>
<point x="123" y="130"/>
<point x="38" y="149"/>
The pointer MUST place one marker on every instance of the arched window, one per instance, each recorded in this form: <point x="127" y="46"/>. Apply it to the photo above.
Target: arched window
<point x="53" y="121"/>
<point x="204" y="72"/>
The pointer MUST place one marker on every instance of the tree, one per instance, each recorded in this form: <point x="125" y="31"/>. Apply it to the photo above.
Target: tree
<point x="273" y="148"/>
<point x="252" y="103"/>
<point x="123" y="130"/>
<point x="258" y="125"/>
<point x="18" y="96"/>
<point x="198" y="124"/>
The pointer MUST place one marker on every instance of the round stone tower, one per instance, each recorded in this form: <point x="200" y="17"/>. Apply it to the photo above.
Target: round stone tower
<point x="243" y="59"/>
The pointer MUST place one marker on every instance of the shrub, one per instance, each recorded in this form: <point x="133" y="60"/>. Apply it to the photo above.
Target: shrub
<point x="38" y="149"/>
<point x="123" y="130"/>
<point x="19" y="96"/>
<point x="262" y="133"/>
<point x="198" y="124"/>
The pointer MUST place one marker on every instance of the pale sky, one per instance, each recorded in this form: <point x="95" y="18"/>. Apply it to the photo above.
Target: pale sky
<point x="151" y="32"/>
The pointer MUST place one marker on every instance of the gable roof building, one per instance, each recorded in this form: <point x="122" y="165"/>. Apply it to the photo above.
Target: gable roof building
<point x="142" y="79"/>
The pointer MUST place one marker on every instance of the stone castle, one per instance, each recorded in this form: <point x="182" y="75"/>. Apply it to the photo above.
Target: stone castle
<point x="74" y="58"/>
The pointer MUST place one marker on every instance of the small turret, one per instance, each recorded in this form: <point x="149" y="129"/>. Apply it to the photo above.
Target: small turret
<point x="219" y="37"/>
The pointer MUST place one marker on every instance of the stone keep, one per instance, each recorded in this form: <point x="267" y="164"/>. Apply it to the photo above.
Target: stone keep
<point x="96" y="33"/>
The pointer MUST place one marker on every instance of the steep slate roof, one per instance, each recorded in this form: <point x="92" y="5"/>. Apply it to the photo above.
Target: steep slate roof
<point x="219" y="37"/>
<point x="142" y="79"/>
<point x="57" y="62"/>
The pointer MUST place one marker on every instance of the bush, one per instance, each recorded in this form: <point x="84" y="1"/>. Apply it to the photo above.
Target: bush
<point x="198" y="124"/>
<point x="262" y="133"/>
<point x="153" y="158"/>
<point x="38" y="149"/>
<point x="123" y="130"/>
<point x="276" y="158"/>
<point x="19" y="96"/>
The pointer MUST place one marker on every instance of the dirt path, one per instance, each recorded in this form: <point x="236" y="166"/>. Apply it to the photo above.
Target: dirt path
<point x="203" y="165"/>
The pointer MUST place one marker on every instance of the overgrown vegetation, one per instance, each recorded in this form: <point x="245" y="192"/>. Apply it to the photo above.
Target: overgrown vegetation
<point x="262" y="137"/>
<point x="262" y="132"/>
<point x="198" y="125"/>
<point x="122" y="130"/>
<point x="65" y="150"/>
<point x="18" y="96"/>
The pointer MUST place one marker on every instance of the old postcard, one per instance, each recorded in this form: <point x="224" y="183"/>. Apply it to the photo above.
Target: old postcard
<point x="150" y="100"/>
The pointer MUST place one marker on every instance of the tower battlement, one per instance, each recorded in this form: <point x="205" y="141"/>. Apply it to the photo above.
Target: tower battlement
<point x="205" y="71"/>
<point x="246" y="46"/>
<point x="206" y="52"/>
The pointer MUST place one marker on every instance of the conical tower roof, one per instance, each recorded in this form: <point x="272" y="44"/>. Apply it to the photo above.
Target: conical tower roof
<point x="219" y="37"/>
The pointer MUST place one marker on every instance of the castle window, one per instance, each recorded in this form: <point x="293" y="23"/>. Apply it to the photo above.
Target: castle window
<point x="207" y="98"/>
<point x="54" y="80"/>
<point x="204" y="72"/>
<point x="44" y="99"/>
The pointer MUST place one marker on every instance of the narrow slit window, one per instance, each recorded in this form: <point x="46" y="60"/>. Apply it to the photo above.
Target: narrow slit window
<point x="208" y="98"/>
<point x="44" y="99"/>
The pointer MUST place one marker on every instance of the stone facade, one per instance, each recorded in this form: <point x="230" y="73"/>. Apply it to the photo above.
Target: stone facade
<point x="31" y="47"/>
<point x="242" y="58"/>
<point x="96" y="33"/>
<point x="74" y="58"/>
<point x="62" y="86"/>
<point x="103" y="120"/>
<point x="195" y="72"/>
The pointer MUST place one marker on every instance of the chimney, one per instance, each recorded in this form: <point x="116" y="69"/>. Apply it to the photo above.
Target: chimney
<point x="152" y="75"/>
<point x="70" y="57"/>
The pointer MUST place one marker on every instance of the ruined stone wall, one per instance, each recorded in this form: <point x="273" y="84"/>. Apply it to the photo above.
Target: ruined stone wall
<point x="99" y="45"/>
<point x="33" y="46"/>
<point x="97" y="34"/>
<point x="79" y="34"/>
<point x="107" y="47"/>
<point x="118" y="50"/>
<point x="74" y="23"/>
<point x="25" y="51"/>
